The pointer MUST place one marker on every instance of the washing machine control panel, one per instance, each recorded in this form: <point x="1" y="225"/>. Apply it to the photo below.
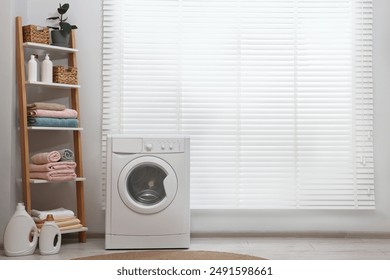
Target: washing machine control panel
<point x="165" y="145"/>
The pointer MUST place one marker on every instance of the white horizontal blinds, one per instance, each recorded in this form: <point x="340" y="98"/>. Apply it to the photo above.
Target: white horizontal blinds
<point x="276" y="95"/>
<point x="111" y="77"/>
<point x="210" y="53"/>
<point x="140" y="68"/>
<point x="267" y="108"/>
<point x="149" y="66"/>
<point x="324" y="105"/>
<point x="364" y="105"/>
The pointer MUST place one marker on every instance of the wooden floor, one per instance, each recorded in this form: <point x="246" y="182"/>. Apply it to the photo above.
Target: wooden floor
<point x="283" y="248"/>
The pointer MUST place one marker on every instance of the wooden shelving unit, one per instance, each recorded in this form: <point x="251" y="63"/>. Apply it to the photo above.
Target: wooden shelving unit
<point x="24" y="50"/>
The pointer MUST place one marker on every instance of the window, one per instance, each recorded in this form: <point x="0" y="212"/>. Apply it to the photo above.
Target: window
<point x="276" y="95"/>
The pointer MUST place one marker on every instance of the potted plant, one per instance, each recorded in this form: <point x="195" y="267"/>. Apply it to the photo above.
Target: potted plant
<point x="60" y="34"/>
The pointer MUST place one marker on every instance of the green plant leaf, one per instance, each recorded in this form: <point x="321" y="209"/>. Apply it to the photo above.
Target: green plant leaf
<point x="73" y="26"/>
<point x="53" y="18"/>
<point x="65" y="6"/>
<point x="61" y="11"/>
<point x="66" y="27"/>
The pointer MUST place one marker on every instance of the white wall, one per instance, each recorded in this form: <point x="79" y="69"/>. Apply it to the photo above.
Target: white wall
<point x="5" y="115"/>
<point x="87" y="16"/>
<point x="8" y="141"/>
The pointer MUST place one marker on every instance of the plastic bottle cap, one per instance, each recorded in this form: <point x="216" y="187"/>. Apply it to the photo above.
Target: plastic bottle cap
<point x="49" y="218"/>
<point x="20" y="206"/>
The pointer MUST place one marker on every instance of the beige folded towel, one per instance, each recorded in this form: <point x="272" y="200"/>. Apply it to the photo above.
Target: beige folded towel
<point x="71" y="227"/>
<point x="46" y="106"/>
<point x="71" y="222"/>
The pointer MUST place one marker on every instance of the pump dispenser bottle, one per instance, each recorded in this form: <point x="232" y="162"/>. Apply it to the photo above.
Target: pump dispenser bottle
<point x="47" y="70"/>
<point x="21" y="234"/>
<point x="32" y="69"/>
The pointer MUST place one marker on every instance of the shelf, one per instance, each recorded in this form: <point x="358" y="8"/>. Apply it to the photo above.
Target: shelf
<point x="54" y="128"/>
<point x="39" y="181"/>
<point x="65" y="57"/>
<point x="53" y="85"/>
<point x="74" y="230"/>
<point x="54" y="52"/>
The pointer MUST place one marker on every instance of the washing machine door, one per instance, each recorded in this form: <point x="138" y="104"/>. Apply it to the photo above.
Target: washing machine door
<point x="147" y="184"/>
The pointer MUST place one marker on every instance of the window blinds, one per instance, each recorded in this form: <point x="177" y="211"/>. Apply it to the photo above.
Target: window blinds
<point x="276" y="95"/>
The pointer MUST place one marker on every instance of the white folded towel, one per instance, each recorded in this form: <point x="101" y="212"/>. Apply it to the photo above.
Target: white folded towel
<point x="57" y="213"/>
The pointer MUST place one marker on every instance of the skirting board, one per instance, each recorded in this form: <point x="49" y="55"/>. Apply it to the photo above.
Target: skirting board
<point x="284" y="234"/>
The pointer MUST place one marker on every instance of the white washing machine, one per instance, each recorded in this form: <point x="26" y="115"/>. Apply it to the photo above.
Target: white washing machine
<point x="147" y="196"/>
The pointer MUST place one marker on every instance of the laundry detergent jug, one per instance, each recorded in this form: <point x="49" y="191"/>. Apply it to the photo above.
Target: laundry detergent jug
<point x="49" y="237"/>
<point x="21" y="234"/>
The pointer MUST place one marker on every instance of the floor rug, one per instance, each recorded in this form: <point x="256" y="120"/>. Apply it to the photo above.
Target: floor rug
<point x="171" y="255"/>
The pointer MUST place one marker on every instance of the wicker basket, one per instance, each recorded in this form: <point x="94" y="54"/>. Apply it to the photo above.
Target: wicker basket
<point x="36" y="34"/>
<point x="64" y="75"/>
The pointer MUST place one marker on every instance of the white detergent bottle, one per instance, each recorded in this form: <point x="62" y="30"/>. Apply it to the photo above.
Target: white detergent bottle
<point x="21" y="234"/>
<point x="47" y="70"/>
<point x="49" y="237"/>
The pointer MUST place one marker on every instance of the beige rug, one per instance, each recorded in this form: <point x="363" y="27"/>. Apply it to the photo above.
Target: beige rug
<point x="171" y="255"/>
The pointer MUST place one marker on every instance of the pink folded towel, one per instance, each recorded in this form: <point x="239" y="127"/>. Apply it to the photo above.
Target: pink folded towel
<point x="55" y="175"/>
<point x="42" y="158"/>
<point x="61" y="165"/>
<point x="64" y="114"/>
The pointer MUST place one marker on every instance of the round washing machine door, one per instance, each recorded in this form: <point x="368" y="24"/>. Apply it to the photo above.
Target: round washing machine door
<point x="147" y="184"/>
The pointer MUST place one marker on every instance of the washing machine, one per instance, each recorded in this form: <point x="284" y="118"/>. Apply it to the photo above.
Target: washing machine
<point x="148" y="190"/>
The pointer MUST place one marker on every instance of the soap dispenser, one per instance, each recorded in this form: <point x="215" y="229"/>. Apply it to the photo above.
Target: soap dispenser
<point x="47" y="70"/>
<point x="32" y="69"/>
<point x="49" y="237"/>
<point x="21" y="233"/>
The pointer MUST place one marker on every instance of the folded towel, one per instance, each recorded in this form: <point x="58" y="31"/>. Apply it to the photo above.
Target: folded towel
<point x="64" y="114"/>
<point x="57" y="213"/>
<point x="52" y="122"/>
<point x="55" y="175"/>
<point x="37" y="220"/>
<point x="71" y="227"/>
<point x="46" y="106"/>
<point x="47" y="157"/>
<point x="66" y="155"/>
<point x="68" y="165"/>
<point x="71" y="222"/>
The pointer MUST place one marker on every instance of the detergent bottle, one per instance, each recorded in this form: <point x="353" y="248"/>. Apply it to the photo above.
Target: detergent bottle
<point x="49" y="237"/>
<point x="21" y="234"/>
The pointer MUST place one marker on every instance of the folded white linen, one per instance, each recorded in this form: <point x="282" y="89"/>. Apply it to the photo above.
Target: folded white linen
<point x="57" y="213"/>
